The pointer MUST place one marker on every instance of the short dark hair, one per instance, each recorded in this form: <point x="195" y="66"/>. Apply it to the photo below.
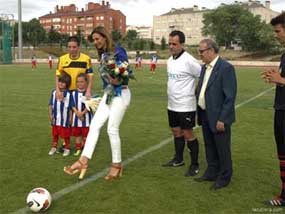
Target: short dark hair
<point x="65" y="78"/>
<point x="73" y="39"/>
<point x="211" y="44"/>
<point x="83" y="75"/>
<point x="180" y="35"/>
<point x="280" y="19"/>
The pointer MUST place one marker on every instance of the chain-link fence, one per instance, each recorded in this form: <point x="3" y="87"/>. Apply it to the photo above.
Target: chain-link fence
<point x="6" y="39"/>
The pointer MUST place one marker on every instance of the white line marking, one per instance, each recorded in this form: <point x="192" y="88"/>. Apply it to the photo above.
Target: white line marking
<point x="253" y="98"/>
<point x="94" y="177"/>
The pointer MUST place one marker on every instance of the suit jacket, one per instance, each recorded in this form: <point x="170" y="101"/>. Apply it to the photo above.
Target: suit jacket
<point x="220" y="94"/>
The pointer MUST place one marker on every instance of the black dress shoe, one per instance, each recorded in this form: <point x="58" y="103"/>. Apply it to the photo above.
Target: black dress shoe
<point x="192" y="171"/>
<point x="217" y="186"/>
<point x="203" y="179"/>
<point x="173" y="163"/>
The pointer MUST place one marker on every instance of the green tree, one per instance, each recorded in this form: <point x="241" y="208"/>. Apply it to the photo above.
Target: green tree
<point x="163" y="43"/>
<point x="35" y="33"/>
<point x="223" y="22"/>
<point x="136" y="44"/>
<point x="151" y="45"/>
<point x="116" y="36"/>
<point x="267" y="40"/>
<point x="142" y="43"/>
<point x="53" y="36"/>
<point x="233" y="23"/>
<point x="131" y="35"/>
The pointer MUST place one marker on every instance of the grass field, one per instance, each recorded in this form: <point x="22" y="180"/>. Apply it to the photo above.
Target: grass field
<point x="145" y="187"/>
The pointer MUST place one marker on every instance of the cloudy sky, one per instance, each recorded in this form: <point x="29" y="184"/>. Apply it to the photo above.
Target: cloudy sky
<point x="138" y="12"/>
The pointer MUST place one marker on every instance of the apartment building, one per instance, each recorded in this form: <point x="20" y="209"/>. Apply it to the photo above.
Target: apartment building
<point x="190" y="20"/>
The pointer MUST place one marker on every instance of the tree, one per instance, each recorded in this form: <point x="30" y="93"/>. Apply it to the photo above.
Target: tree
<point x="232" y="23"/>
<point x="136" y="44"/>
<point x="116" y="35"/>
<point x="151" y="45"/>
<point x="163" y="43"/>
<point x="131" y="35"/>
<point x="141" y="44"/>
<point x="223" y="22"/>
<point x="53" y="36"/>
<point x="267" y="40"/>
<point x="35" y="32"/>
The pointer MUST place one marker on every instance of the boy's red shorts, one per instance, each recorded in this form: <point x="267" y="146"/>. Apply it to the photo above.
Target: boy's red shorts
<point x="79" y="131"/>
<point x="60" y="131"/>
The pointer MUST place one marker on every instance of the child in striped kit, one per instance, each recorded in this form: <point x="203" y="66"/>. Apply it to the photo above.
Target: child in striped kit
<point x="81" y="117"/>
<point x="60" y="115"/>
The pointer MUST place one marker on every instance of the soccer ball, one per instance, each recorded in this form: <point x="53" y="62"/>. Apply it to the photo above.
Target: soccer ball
<point x="39" y="199"/>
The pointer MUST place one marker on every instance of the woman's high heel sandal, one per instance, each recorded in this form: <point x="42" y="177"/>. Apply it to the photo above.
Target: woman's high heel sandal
<point x="78" y="166"/>
<point x="118" y="173"/>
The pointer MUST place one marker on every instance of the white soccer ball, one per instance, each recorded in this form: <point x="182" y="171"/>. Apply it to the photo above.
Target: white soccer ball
<point x="39" y="199"/>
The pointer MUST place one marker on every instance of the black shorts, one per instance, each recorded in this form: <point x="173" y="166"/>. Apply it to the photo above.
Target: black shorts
<point x="184" y="120"/>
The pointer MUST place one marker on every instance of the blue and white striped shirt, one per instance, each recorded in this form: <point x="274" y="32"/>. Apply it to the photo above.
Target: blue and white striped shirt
<point x="60" y="110"/>
<point x="78" y="98"/>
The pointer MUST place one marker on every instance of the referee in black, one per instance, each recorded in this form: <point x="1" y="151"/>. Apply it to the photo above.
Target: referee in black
<point x="278" y="78"/>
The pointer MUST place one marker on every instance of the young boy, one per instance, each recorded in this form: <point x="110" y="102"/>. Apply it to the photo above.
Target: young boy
<point x="50" y="61"/>
<point x="81" y="117"/>
<point x="60" y="115"/>
<point x="138" y="60"/>
<point x="153" y="62"/>
<point x="34" y="62"/>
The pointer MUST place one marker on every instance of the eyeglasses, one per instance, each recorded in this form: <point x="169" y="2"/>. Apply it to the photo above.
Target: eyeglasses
<point x="170" y="43"/>
<point x="201" y="51"/>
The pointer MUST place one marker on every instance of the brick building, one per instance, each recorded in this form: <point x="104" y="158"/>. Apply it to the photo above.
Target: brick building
<point x="69" y="20"/>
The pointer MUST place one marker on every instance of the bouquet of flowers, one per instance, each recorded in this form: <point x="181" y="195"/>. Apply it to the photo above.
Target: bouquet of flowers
<point x="115" y="66"/>
<point x="92" y="104"/>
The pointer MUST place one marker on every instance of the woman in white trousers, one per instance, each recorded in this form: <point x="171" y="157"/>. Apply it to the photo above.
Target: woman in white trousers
<point x="112" y="111"/>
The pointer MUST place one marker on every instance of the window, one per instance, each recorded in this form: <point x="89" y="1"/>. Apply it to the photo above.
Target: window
<point x="101" y="17"/>
<point x="56" y="20"/>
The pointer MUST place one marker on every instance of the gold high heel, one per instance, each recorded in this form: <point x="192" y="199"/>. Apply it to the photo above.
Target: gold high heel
<point x="78" y="167"/>
<point x="118" y="174"/>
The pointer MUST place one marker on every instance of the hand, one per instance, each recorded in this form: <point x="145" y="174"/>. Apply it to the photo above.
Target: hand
<point x="79" y="114"/>
<point x="220" y="126"/>
<point x="264" y="75"/>
<point x="88" y="95"/>
<point x="272" y="76"/>
<point x="114" y="81"/>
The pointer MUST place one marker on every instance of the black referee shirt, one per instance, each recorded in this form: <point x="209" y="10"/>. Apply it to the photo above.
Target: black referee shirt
<point x="279" y="103"/>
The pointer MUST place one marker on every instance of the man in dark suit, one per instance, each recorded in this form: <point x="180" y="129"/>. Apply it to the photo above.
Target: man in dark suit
<point x="216" y="94"/>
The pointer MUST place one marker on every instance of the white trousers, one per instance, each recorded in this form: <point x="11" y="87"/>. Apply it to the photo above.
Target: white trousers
<point x="115" y="112"/>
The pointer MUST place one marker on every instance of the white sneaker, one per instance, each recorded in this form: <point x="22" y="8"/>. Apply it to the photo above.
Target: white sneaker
<point x="52" y="151"/>
<point x="66" y="152"/>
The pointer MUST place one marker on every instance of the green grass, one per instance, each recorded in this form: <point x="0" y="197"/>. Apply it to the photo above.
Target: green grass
<point x="145" y="187"/>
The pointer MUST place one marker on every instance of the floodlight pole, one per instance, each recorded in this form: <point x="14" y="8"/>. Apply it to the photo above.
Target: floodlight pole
<point x="20" y="37"/>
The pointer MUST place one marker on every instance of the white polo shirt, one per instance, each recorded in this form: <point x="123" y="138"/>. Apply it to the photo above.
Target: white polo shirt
<point x="182" y="72"/>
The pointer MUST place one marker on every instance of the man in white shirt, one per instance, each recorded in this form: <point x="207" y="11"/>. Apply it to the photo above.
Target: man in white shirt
<point x="182" y="69"/>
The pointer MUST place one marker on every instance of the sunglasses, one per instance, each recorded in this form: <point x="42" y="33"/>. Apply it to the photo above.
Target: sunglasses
<point x="201" y="51"/>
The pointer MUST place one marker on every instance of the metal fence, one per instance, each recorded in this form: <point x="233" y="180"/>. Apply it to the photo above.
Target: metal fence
<point x="6" y="41"/>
